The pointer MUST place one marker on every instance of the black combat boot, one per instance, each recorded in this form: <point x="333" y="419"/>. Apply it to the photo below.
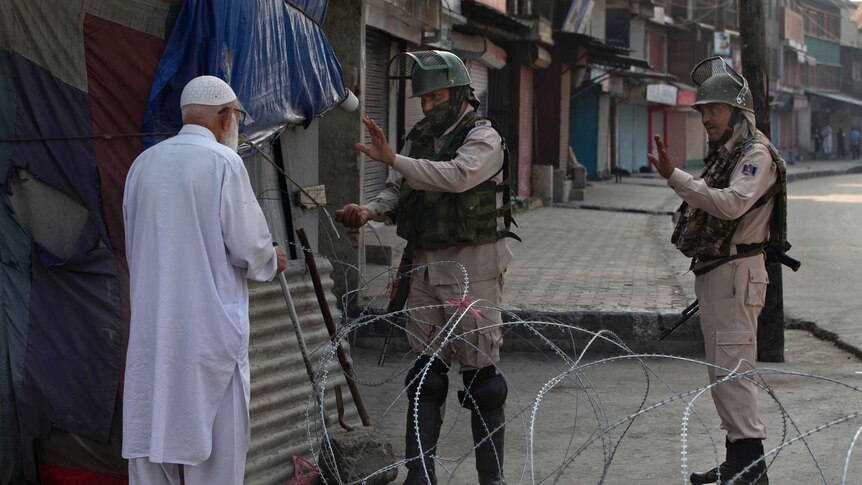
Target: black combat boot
<point x="748" y="451"/>
<point x="740" y="454"/>
<point x="728" y="468"/>
<point x="430" y="422"/>
<point x="431" y="396"/>
<point x="489" y="454"/>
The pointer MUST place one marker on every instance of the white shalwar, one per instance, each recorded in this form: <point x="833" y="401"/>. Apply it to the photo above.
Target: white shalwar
<point x="194" y="234"/>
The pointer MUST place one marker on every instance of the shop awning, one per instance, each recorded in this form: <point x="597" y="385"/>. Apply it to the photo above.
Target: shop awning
<point x="841" y="98"/>
<point x="599" y="53"/>
<point x="492" y="22"/>
<point x="478" y="48"/>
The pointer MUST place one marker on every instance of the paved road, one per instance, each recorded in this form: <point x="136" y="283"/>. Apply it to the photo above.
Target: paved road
<point x="825" y="228"/>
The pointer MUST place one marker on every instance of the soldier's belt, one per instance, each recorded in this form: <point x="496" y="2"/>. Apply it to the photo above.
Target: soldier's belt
<point x="742" y="251"/>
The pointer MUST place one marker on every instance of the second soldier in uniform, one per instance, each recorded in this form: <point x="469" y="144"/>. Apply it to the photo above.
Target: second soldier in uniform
<point x="730" y="215"/>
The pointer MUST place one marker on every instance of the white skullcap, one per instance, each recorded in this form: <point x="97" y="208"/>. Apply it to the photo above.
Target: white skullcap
<point x="207" y="90"/>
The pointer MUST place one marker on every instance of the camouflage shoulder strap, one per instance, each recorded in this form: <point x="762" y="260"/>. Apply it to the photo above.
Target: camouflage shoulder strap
<point x="778" y="191"/>
<point x="506" y="185"/>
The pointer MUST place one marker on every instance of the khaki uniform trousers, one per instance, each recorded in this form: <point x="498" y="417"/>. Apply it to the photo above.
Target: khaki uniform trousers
<point x="731" y="297"/>
<point x="476" y="338"/>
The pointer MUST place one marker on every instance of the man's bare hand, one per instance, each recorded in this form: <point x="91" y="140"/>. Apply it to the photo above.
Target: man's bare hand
<point x="281" y="259"/>
<point x="662" y="163"/>
<point x="353" y="216"/>
<point x="379" y="149"/>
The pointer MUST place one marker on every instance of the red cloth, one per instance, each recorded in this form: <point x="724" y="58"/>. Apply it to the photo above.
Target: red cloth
<point x="57" y="475"/>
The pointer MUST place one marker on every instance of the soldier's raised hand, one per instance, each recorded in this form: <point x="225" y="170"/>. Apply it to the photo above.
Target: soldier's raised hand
<point x="662" y="163"/>
<point x="379" y="149"/>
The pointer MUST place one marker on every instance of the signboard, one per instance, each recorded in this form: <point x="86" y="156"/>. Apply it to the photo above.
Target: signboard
<point x="578" y="16"/>
<point x="686" y="97"/>
<point x="721" y="41"/>
<point x="661" y="93"/>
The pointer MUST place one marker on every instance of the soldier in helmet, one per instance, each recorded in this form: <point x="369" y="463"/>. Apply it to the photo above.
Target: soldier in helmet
<point x="729" y="217"/>
<point x="449" y="189"/>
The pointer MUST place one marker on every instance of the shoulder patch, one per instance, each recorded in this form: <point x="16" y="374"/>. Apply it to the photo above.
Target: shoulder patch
<point x="749" y="169"/>
<point x="482" y="123"/>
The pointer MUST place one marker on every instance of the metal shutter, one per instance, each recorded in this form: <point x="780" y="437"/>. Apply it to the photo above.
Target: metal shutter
<point x="412" y="109"/>
<point x="479" y="80"/>
<point x="377" y="45"/>
<point x="525" y="131"/>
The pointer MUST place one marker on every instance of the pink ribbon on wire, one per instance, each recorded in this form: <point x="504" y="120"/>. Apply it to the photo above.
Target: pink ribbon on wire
<point x="465" y="304"/>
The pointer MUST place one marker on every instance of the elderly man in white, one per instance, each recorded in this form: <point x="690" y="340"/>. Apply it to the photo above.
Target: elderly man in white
<point x="195" y="234"/>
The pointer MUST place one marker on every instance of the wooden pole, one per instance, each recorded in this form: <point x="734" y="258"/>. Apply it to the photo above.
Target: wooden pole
<point x="755" y="65"/>
<point x="343" y="359"/>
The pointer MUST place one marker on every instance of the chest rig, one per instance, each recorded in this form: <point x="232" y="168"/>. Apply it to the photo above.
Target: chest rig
<point x="700" y="235"/>
<point x="438" y="220"/>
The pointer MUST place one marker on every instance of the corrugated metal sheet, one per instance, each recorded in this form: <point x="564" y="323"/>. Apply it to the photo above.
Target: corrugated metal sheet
<point x="377" y="44"/>
<point x="279" y="382"/>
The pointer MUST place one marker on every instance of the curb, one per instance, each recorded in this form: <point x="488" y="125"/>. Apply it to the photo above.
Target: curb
<point x="570" y="331"/>
<point x="791" y="177"/>
<point x="536" y="329"/>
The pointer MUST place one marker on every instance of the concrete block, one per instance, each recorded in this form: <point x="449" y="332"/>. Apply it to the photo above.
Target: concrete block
<point x="579" y="177"/>
<point x="543" y="183"/>
<point x="562" y="186"/>
<point x="576" y="194"/>
<point x="358" y="454"/>
<point x="377" y="254"/>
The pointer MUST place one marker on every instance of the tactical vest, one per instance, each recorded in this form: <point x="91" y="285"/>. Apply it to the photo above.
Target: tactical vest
<point x="440" y="220"/>
<point x="700" y="235"/>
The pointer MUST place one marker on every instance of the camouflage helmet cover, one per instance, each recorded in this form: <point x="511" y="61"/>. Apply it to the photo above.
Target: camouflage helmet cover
<point x="428" y="70"/>
<point x="717" y="82"/>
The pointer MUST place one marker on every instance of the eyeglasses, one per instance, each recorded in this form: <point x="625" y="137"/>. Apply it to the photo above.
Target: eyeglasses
<point x="241" y="117"/>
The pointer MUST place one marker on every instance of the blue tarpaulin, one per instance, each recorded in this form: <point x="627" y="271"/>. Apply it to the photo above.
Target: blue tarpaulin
<point x="274" y="56"/>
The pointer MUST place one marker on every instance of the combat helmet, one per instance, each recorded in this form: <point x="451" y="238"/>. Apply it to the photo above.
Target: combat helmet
<point x="717" y="82"/>
<point x="429" y="70"/>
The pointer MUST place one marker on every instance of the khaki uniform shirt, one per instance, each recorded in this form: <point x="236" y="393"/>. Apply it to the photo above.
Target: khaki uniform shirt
<point x="480" y="158"/>
<point x="753" y="176"/>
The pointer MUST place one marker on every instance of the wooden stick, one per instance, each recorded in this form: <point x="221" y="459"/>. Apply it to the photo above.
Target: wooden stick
<point x="346" y="365"/>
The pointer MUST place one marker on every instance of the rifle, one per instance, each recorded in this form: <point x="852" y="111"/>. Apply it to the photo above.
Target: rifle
<point x="686" y="314"/>
<point x="773" y="253"/>
<point x="397" y="299"/>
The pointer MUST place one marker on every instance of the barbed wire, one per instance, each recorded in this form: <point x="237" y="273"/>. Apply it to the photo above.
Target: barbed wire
<point x="593" y="437"/>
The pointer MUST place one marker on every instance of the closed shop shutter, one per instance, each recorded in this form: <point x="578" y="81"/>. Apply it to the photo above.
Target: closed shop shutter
<point x="479" y="80"/>
<point x="412" y="109"/>
<point x="633" y="136"/>
<point x="525" y="130"/>
<point x="377" y="45"/>
<point x="565" y="106"/>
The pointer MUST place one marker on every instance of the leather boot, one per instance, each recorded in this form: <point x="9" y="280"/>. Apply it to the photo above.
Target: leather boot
<point x="728" y="468"/>
<point x="740" y="454"/>
<point x="748" y="451"/>
<point x="430" y="422"/>
<point x="489" y="454"/>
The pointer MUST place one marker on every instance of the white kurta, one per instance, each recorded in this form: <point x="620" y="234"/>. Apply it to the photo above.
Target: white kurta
<point x="194" y="234"/>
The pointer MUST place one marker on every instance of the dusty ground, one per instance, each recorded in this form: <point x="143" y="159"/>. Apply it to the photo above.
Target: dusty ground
<point x="568" y="445"/>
